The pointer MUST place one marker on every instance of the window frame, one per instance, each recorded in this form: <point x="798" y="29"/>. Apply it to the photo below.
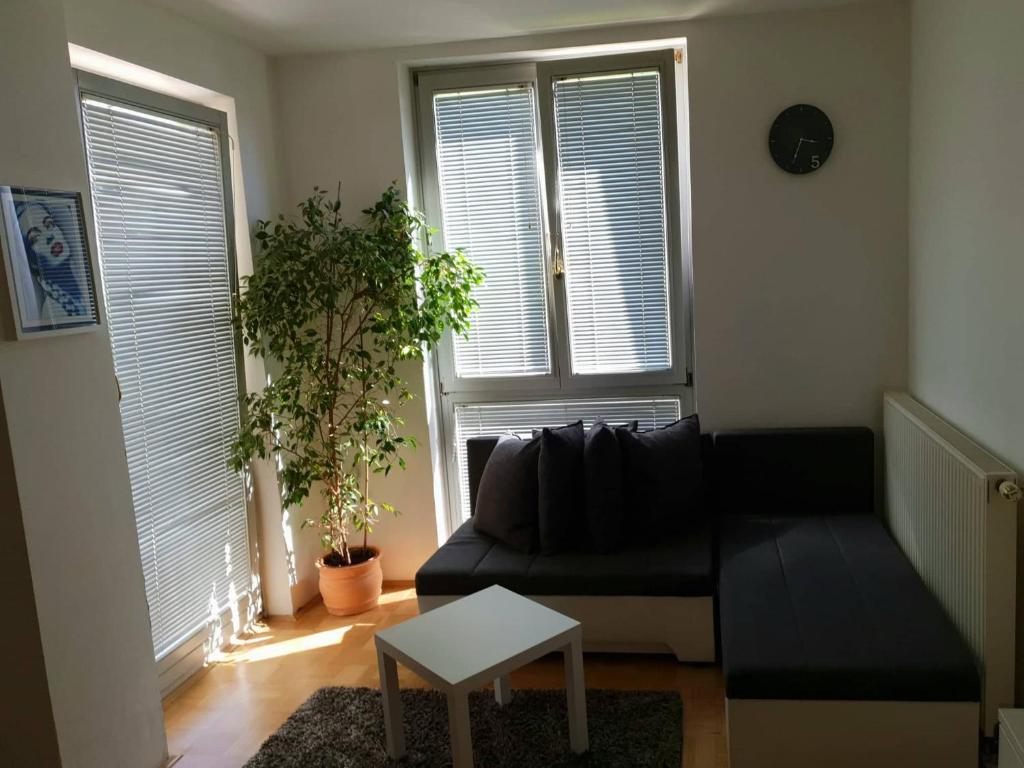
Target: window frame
<point x="450" y="390"/>
<point x="664" y="63"/>
<point x="187" y="656"/>
<point x="429" y="83"/>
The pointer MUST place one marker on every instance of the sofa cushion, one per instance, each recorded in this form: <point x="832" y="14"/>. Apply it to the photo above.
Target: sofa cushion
<point x="602" y="470"/>
<point x="815" y="471"/>
<point x="828" y="607"/>
<point x="506" y="505"/>
<point x="662" y="477"/>
<point x="471" y="561"/>
<point x="561" y="506"/>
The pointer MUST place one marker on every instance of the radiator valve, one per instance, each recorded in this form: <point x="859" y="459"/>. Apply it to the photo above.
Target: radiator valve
<point x="1010" y="491"/>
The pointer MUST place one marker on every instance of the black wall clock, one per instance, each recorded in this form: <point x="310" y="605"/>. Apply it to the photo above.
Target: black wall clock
<point x="801" y="139"/>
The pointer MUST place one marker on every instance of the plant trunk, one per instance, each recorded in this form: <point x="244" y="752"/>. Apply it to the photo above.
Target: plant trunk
<point x="337" y="529"/>
<point x="366" y="463"/>
<point x="366" y="495"/>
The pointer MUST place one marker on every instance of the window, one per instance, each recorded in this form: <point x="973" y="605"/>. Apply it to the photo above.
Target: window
<point x="611" y="187"/>
<point x="561" y="180"/>
<point x="491" y="206"/>
<point x="161" y="206"/>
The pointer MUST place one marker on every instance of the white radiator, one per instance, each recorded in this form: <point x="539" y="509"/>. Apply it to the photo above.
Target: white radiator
<point x="949" y="504"/>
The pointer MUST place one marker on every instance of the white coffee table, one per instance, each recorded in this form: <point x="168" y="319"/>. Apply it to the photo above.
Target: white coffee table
<point x="463" y="645"/>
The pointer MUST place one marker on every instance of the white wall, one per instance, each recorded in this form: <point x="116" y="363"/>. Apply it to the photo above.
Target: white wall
<point x="67" y="449"/>
<point x="967" y="224"/>
<point x="186" y="60"/>
<point x="801" y="283"/>
<point x="28" y="735"/>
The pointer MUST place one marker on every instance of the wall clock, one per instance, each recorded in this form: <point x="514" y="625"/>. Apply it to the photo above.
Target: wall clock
<point x="800" y="139"/>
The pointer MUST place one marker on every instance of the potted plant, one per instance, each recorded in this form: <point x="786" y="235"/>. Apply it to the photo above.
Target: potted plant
<point x="336" y="308"/>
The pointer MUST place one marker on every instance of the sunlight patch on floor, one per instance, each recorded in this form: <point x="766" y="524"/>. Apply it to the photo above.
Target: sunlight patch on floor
<point x="399" y="596"/>
<point x="255" y="649"/>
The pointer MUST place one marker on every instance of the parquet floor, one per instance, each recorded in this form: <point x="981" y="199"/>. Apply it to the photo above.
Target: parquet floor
<point x="219" y="719"/>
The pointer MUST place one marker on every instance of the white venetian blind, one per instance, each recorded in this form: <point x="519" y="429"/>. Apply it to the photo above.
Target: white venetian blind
<point x="491" y="208"/>
<point x="158" y="196"/>
<point x="612" y="188"/>
<point x="490" y="419"/>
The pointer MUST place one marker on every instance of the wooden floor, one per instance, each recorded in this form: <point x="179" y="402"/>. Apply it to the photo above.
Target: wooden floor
<point x="221" y="717"/>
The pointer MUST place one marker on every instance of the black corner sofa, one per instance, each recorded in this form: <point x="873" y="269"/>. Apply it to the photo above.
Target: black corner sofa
<point x="833" y="650"/>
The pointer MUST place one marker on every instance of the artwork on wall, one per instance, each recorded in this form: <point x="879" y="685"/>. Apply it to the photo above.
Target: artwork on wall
<point x="46" y="254"/>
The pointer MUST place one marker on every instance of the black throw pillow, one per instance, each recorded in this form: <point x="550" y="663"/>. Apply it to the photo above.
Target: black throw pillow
<point x="506" y="502"/>
<point x="632" y="426"/>
<point x="662" y="477"/>
<point x="602" y="470"/>
<point x="561" y="510"/>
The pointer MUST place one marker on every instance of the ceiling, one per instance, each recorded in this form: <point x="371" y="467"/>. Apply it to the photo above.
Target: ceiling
<point x="300" y="26"/>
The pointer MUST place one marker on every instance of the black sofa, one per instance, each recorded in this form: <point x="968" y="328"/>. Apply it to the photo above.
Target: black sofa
<point x="653" y="598"/>
<point x="833" y="650"/>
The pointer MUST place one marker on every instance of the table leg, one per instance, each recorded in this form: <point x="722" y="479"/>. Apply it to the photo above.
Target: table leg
<point x="502" y="690"/>
<point x="576" y="693"/>
<point x="458" y="729"/>
<point x="394" y="736"/>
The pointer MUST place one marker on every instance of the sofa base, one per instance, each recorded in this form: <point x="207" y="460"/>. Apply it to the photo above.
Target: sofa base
<point x="683" y="626"/>
<point x="775" y="733"/>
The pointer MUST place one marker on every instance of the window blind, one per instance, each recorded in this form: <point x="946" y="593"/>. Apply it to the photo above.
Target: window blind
<point x="612" y="189"/>
<point x="491" y="207"/>
<point x="158" y="196"/>
<point x="478" y="420"/>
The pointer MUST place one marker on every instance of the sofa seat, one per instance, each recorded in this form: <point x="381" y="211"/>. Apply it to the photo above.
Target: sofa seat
<point x="675" y="566"/>
<point x="828" y="608"/>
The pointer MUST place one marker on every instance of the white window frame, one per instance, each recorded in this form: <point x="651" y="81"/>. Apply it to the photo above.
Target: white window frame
<point x="561" y="383"/>
<point x="664" y="62"/>
<point x="472" y="79"/>
<point x="188" y="657"/>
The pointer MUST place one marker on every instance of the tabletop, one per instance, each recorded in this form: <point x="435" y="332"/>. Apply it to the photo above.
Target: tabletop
<point x="475" y="633"/>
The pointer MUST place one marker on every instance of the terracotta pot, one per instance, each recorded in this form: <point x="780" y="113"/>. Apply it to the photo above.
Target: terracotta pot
<point x="351" y="589"/>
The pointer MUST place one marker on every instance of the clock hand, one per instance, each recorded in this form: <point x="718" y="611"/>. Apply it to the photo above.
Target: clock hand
<point x="800" y="143"/>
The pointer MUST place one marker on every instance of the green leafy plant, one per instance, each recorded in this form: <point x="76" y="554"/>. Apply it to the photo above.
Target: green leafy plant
<point x="337" y="307"/>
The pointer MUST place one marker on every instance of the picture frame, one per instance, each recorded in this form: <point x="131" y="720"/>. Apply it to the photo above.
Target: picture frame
<point x="44" y="244"/>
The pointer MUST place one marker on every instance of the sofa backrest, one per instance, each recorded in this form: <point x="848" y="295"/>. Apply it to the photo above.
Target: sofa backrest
<point x="813" y="471"/>
<point x="478" y="450"/>
<point x="779" y="472"/>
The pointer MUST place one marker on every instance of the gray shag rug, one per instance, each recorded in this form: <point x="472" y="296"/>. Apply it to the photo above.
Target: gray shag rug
<point x="344" y="728"/>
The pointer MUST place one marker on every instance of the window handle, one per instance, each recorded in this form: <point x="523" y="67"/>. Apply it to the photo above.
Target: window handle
<point x="557" y="264"/>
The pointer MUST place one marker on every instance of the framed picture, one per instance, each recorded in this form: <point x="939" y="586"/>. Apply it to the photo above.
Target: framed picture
<point x="46" y="254"/>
